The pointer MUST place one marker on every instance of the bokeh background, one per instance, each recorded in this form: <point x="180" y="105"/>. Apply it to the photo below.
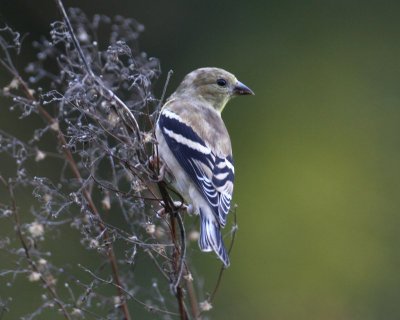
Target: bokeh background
<point x="317" y="150"/>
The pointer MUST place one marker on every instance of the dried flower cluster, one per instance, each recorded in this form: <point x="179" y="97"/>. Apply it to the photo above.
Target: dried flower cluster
<point x="92" y="169"/>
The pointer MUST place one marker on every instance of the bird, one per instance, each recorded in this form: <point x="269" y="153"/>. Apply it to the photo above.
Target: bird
<point x="195" y="148"/>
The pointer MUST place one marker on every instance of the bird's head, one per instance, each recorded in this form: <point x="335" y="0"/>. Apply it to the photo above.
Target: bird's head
<point x="216" y="86"/>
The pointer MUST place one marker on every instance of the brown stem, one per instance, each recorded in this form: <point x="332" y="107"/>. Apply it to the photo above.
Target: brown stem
<point x="169" y="208"/>
<point x="110" y="250"/>
<point x="176" y="255"/>
<point x="194" y="305"/>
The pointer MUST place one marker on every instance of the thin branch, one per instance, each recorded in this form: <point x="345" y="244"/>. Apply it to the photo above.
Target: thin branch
<point x="127" y="293"/>
<point x="73" y="37"/>
<point x="161" y="102"/>
<point x="169" y="208"/>
<point x="194" y="305"/>
<point x="182" y="252"/>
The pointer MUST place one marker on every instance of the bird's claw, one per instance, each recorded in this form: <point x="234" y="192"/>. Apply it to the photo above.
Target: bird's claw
<point x="177" y="205"/>
<point x="156" y="163"/>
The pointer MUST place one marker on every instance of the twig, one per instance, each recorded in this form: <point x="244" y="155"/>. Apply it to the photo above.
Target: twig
<point x="169" y="208"/>
<point x="73" y="37"/>
<point x="156" y="263"/>
<point x="161" y="102"/>
<point x="127" y="293"/>
<point x="194" y="305"/>
<point x="182" y="251"/>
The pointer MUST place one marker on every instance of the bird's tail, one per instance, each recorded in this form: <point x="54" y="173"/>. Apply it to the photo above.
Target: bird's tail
<point x="211" y="237"/>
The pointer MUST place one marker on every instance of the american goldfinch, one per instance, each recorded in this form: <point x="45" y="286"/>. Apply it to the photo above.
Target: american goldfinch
<point x="194" y="145"/>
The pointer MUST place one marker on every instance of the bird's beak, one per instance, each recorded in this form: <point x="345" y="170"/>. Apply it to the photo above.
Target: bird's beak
<point x="241" y="89"/>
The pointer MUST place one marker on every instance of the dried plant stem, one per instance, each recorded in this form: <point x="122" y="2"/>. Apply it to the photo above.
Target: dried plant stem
<point x="181" y="252"/>
<point x="176" y="255"/>
<point x="110" y="249"/>
<point x="74" y="39"/>
<point x="28" y="256"/>
<point x="194" y="305"/>
<point x="154" y="309"/>
<point x="75" y="170"/>
<point x="179" y="257"/>
<point x="169" y="208"/>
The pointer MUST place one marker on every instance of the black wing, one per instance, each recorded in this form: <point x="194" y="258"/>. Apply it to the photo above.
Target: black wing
<point x="213" y="175"/>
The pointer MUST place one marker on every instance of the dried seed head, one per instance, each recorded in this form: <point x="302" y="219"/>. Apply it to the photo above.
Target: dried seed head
<point x="150" y="229"/>
<point x="36" y="229"/>
<point x="205" y="305"/>
<point x="194" y="235"/>
<point x="42" y="262"/>
<point x="117" y="301"/>
<point x="34" y="276"/>
<point x="40" y="155"/>
<point x="93" y="243"/>
<point x="106" y="202"/>
<point x="188" y="277"/>
<point x="55" y="126"/>
<point x="77" y="312"/>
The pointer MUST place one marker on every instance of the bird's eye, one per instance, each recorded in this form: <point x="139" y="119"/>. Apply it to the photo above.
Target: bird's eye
<point x="221" y="82"/>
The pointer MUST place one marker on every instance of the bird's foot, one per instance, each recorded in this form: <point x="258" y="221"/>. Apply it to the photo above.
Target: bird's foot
<point x="190" y="209"/>
<point x="178" y="205"/>
<point x="156" y="163"/>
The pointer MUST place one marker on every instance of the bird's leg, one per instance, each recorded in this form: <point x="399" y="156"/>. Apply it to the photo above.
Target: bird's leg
<point x="155" y="162"/>
<point x="178" y="205"/>
<point x="189" y="209"/>
<point x="162" y="171"/>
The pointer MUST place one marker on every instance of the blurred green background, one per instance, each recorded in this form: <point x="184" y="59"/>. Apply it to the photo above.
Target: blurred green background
<point x="317" y="150"/>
